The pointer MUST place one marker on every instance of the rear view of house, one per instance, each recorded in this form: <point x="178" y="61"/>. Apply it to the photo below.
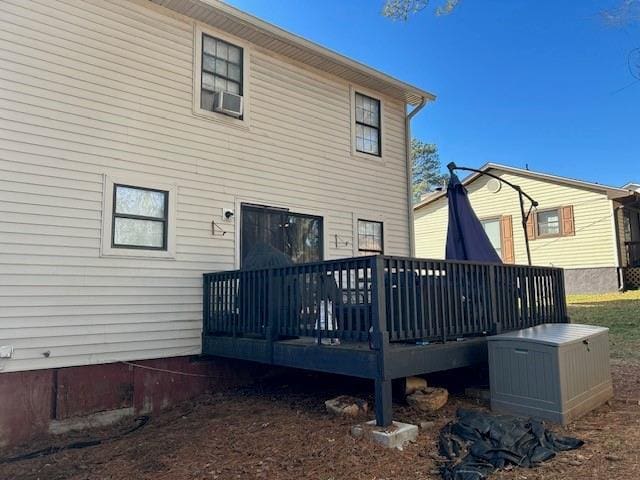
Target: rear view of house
<point x="588" y="229"/>
<point x="143" y="143"/>
<point x="180" y="178"/>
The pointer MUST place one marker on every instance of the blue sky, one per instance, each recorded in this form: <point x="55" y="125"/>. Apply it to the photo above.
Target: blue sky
<point x="518" y="82"/>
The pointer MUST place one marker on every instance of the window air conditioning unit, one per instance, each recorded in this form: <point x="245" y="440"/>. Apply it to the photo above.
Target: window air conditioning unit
<point x="228" y="103"/>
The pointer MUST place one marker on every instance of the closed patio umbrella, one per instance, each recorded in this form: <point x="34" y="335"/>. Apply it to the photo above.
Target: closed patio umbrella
<point x="466" y="238"/>
<point x="263" y="255"/>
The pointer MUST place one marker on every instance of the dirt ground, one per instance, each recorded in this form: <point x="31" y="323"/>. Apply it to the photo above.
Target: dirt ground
<point x="278" y="429"/>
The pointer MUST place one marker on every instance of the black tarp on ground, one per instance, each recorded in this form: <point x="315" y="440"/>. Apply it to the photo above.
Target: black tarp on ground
<point x="478" y="443"/>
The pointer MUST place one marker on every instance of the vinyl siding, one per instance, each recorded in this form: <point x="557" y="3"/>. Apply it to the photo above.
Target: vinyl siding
<point x="104" y="87"/>
<point x="592" y="246"/>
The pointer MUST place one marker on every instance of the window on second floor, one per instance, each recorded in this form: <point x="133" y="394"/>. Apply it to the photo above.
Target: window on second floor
<point x="370" y="236"/>
<point x="368" y="137"/>
<point x="221" y="70"/>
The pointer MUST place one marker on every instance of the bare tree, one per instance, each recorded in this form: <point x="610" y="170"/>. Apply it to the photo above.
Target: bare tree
<point x="626" y="13"/>
<point x="403" y="9"/>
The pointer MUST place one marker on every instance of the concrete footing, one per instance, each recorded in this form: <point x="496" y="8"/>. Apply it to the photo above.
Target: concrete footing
<point x="397" y="435"/>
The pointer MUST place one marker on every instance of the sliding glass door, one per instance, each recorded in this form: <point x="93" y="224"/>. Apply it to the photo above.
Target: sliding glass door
<point x="297" y="235"/>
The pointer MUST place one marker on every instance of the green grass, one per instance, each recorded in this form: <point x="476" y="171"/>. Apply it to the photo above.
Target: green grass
<point x="618" y="311"/>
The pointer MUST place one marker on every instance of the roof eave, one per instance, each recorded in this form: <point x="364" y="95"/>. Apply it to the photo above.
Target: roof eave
<point x="247" y="27"/>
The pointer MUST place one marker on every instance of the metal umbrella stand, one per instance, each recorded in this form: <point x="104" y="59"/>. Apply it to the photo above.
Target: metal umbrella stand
<point x="524" y="213"/>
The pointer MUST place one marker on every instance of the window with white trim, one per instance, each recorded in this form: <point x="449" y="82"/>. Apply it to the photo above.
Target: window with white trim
<point x="367" y="117"/>
<point x="492" y="229"/>
<point x="139" y="218"/>
<point x="221" y="70"/>
<point x="370" y="239"/>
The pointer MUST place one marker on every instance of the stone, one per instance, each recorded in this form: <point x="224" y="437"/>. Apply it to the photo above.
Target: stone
<point x="426" y="424"/>
<point x="428" y="400"/>
<point x="346" y="406"/>
<point x="413" y="384"/>
<point x="397" y="435"/>
<point x="357" y="431"/>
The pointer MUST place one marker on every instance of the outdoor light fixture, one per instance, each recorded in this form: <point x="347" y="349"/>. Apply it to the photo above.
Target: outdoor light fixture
<point x="521" y="195"/>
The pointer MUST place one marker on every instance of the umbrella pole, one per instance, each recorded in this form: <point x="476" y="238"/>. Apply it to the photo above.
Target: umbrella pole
<point x="521" y="195"/>
<point x="525" y="217"/>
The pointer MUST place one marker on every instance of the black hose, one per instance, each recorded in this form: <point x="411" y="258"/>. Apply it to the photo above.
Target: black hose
<point x="142" y="421"/>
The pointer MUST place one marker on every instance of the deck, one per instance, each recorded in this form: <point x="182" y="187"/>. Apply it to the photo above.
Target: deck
<point x="375" y="317"/>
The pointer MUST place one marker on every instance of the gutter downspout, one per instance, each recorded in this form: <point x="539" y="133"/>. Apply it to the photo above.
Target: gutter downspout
<point x="616" y="234"/>
<point x="409" y="170"/>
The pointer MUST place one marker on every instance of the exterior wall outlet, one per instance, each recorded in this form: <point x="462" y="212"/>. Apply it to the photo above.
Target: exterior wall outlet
<point x="6" y="351"/>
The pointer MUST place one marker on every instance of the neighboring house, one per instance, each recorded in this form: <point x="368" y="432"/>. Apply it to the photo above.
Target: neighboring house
<point x="590" y="230"/>
<point x="146" y="142"/>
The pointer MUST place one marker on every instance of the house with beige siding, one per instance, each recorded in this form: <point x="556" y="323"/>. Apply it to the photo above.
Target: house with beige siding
<point x="590" y="230"/>
<point x="143" y="143"/>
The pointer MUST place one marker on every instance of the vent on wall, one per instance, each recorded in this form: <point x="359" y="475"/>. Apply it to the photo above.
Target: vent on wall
<point x="494" y="185"/>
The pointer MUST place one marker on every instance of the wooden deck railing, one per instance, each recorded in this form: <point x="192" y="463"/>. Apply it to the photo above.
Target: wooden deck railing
<point x="378" y="298"/>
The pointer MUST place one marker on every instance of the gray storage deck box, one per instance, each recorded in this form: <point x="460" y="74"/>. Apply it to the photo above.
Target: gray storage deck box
<point x="554" y="372"/>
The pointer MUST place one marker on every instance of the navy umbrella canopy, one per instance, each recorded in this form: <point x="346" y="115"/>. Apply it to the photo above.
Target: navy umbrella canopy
<point x="466" y="238"/>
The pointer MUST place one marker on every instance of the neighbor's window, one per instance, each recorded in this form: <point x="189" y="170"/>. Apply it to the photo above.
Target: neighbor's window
<point x="492" y="229"/>
<point x="221" y="69"/>
<point x="370" y="236"/>
<point x="139" y="218"/>
<point x="548" y="223"/>
<point x="368" y="137"/>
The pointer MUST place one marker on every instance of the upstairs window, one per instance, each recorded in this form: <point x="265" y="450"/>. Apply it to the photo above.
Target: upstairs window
<point x="370" y="236"/>
<point x="368" y="139"/>
<point x="221" y="70"/>
<point x="140" y="218"/>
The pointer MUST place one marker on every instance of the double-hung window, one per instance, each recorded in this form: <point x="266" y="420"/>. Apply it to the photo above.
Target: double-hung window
<point x="139" y="218"/>
<point x="367" y="116"/>
<point x="548" y="223"/>
<point x="221" y="70"/>
<point x="370" y="236"/>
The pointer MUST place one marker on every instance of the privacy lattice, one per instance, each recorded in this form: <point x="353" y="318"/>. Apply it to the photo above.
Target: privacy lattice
<point x="632" y="277"/>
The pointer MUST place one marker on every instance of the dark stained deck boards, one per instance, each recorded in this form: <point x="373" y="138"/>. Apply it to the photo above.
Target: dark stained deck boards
<point x="352" y="358"/>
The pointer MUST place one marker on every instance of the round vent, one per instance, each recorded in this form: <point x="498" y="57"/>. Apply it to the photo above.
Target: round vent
<point x="494" y="185"/>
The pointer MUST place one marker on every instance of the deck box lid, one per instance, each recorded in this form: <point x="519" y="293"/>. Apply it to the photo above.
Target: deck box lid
<point x="552" y="333"/>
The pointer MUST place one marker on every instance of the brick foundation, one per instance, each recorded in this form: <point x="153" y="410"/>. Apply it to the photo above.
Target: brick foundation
<point x="32" y="400"/>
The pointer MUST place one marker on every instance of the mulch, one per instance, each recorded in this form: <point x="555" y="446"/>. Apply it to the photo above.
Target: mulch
<point x="278" y="429"/>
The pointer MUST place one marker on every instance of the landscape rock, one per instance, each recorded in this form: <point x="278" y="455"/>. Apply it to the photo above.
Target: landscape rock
<point x="426" y="424"/>
<point x="414" y="384"/>
<point x="429" y="400"/>
<point x="347" y="406"/>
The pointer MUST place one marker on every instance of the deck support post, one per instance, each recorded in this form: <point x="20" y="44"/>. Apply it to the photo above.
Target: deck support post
<point x="495" y="315"/>
<point x="384" y="406"/>
<point x="380" y="342"/>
